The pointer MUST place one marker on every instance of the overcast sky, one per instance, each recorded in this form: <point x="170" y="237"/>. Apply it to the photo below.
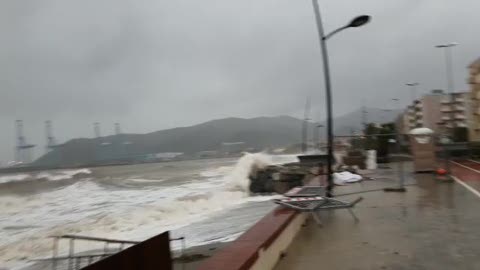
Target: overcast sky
<point x="157" y="64"/>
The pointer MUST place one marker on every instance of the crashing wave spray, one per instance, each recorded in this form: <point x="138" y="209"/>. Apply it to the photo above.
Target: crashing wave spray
<point x="134" y="214"/>
<point x="238" y="179"/>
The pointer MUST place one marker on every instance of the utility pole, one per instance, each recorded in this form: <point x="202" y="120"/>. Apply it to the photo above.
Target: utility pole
<point x="96" y="130"/>
<point x="306" y="119"/>
<point x="364" y="117"/>
<point x="23" y="150"/>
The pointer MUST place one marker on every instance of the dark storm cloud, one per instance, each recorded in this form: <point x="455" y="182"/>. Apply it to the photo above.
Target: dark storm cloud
<point x="158" y="64"/>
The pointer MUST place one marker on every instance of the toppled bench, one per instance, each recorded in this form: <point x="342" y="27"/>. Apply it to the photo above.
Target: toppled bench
<point x="315" y="203"/>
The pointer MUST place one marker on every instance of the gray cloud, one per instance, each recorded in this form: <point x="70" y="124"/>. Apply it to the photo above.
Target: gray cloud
<point x="157" y="64"/>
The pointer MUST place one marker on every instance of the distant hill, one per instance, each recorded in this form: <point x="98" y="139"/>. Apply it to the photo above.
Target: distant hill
<point x="257" y="133"/>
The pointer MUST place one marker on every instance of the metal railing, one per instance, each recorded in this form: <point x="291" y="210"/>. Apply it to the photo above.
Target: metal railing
<point x="73" y="261"/>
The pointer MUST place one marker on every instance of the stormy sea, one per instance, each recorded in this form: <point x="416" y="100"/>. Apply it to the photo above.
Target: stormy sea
<point x="204" y="201"/>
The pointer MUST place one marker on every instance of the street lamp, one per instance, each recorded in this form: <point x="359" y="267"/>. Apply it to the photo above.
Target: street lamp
<point x="397" y="101"/>
<point x="413" y="87"/>
<point x="448" y="64"/>
<point x="356" y="22"/>
<point x="316" y="137"/>
<point x="449" y="69"/>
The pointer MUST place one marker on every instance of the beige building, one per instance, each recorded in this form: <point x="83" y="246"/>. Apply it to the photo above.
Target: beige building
<point x="431" y="109"/>
<point x="411" y="118"/>
<point x="402" y="123"/>
<point x="455" y="110"/>
<point x="474" y="80"/>
<point x="424" y="112"/>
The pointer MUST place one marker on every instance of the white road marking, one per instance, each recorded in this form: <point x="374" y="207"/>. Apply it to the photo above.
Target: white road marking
<point x="472" y="169"/>
<point x="473" y="161"/>
<point x="465" y="185"/>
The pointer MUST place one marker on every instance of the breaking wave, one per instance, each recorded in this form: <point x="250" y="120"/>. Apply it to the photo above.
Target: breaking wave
<point x="87" y="208"/>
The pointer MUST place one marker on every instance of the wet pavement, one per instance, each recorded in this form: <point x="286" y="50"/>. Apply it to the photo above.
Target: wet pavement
<point x="433" y="225"/>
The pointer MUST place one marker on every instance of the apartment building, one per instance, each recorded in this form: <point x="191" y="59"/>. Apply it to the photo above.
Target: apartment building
<point x="474" y="81"/>
<point x="424" y="112"/>
<point x="402" y="123"/>
<point x="455" y="111"/>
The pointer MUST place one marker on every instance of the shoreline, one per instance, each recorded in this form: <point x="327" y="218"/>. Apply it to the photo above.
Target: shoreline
<point x="27" y="169"/>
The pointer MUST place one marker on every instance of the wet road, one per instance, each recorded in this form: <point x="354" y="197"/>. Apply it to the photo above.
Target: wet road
<point x="467" y="173"/>
<point x="433" y="225"/>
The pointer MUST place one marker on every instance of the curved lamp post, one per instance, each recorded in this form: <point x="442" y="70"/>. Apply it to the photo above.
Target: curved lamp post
<point x="448" y="64"/>
<point x="449" y="72"/>
<point x="356" y="22"/>
<point x="413" y="87"/>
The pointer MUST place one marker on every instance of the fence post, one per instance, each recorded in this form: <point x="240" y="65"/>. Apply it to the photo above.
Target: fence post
<point x="55" y="253"/>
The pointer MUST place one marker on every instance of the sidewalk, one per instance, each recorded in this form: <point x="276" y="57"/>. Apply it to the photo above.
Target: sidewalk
<point x="431" y="226"/>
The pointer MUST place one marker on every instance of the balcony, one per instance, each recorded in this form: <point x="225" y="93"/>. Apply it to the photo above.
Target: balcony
<point x="446" y="109"/>
<point x="461" y="124"/>
<point x="474" y="79"/>
<point x="446" y="100"/>
<point x="445" y="118"/>
<point x="459" y="116"/>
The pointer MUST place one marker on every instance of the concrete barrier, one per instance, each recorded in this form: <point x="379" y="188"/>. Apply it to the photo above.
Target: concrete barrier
<point x="268" y="257"/>
<point x="261" y="246"/>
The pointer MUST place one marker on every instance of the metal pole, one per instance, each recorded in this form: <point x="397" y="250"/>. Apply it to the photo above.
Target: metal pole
<point x="414" y="92"/>
<point x="449" y="69"/>
<point x="449" y="76"/>
<point x="70" y="254"/>
<point x="183" y="252"/>
<point x="304" y="136"/>
<point x="306" y="118"/>
<point x="316" y="138"/>
<point x="451" y="90"/>
<point x="450" y="84"/>
<point x="399" y="151"/>
<point x="328" y="97"/>
<point x="55" y="253"/>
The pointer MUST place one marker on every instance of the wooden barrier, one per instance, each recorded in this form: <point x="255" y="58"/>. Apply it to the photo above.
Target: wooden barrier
<point x="151" y="254"/>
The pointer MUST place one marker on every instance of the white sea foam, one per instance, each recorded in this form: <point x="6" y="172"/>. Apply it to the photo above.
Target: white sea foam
<point x="86" y="208"/>
<point x="143" y="180"/>
<point x="216" y="172"/>
<point x="238" y="178"/>
<point x="62" y="175"/>
<point x="13" y="178"/>
<point x="49" y="176"/>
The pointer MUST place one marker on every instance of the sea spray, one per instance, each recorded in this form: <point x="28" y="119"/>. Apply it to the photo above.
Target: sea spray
<point x="87" y="208"/>
<point x="238" y="178"/>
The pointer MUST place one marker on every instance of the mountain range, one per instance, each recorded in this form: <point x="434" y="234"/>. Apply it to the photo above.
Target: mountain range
<point x="255" y="133"/>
